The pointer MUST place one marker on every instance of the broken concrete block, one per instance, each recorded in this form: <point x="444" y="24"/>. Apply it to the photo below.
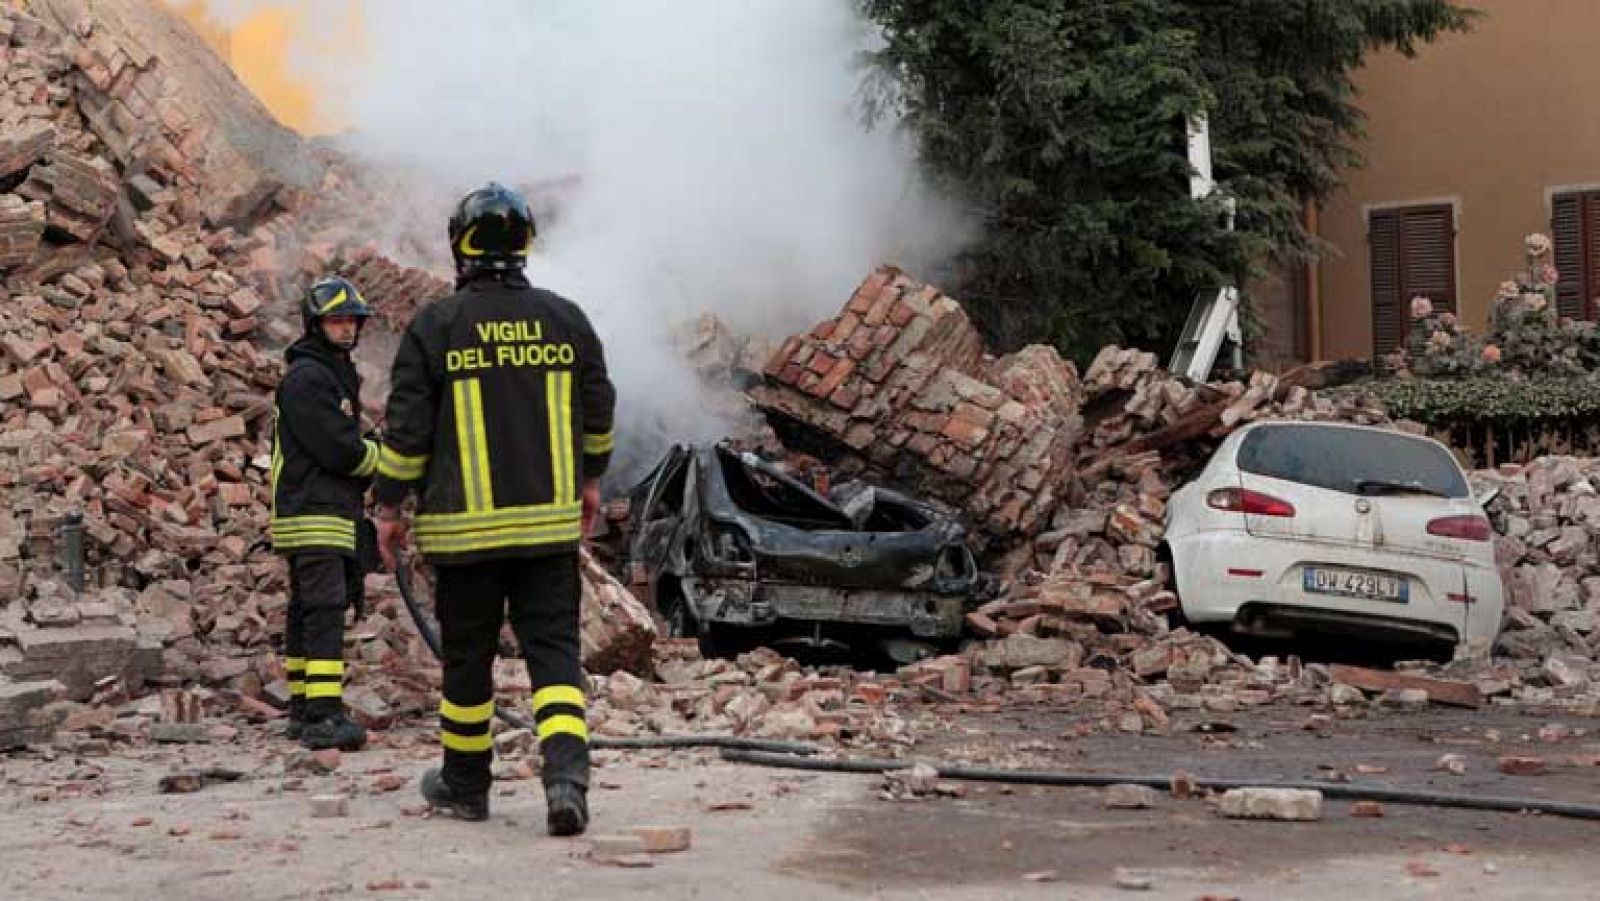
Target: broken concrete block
<point x="1289" y="804"/>
<point x="329" y="806"/>
<point x="180" y="733"/>
<point x="616" y="631"/>
<point x="1133" y="880"/>
<point x="665" y="839"/>
<point x="1342" y="695"/>
<point x="22" y="719"/>
<point x="21" y="228"/>
<point x="1131" y="797"/>
<point x="77" y="657"/>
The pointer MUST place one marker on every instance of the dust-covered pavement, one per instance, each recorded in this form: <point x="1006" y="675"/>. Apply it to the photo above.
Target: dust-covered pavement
<point x="99" y="827"/>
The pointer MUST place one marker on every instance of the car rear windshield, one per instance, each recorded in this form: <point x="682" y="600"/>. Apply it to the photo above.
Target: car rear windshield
<point x="1355" y="461"/>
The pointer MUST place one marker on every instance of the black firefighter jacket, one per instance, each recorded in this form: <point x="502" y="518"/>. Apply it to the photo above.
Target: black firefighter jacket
<point x="500" y="407"/>
<point x="320" y="463"/>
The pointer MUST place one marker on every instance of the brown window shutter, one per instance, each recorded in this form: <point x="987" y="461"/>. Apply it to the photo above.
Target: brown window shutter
<point x="1591" y="254"/>
<point x="1389" y="320"/>
<point x="1573" y="290"/>
<point x="1428" y="255"/>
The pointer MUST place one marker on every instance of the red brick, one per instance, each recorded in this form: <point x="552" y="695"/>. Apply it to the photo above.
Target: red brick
<point x="243" y="303"/>
<point x="964" y="431"/>
<point x="36" y="380"/>
<point x="881" y="305"/>
<point x="845" y="397"/>
<point x="835" y="377"/>
<point x="901" y="314"/>
<point x="235" y="494"/>
<point x="870" y="289"/>
<point x="48" y="399"/>
<point x="239" y="328"/>
<point x="822" y="363"/>
<point x="845" y="328"/>
<point x="860" y="344"/>
<point x="1522" y="766"/>
<point x="776" y="364"/>
<point x="21" y="350"/>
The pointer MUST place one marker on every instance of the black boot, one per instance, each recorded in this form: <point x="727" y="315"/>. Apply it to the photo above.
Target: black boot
<point x="337" y="731"/>
<point x="460" y="805"/>
<point x="297" y="719"/>
<point x="567" y="808"/>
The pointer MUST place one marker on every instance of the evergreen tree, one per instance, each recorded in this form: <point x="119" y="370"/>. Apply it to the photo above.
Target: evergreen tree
<point x="1062" y="124"/>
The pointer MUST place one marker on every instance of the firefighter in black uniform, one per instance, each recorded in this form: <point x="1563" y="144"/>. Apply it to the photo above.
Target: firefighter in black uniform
<point x="321" y="466"/>
<point x="500" y="417"/>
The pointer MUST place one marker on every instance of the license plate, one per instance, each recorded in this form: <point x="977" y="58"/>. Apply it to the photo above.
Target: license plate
<point x="1356" y="583"/>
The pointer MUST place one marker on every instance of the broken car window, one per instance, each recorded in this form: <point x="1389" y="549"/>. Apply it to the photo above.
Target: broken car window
<point x="669" y="495"/>
<point x="778" y="498"/>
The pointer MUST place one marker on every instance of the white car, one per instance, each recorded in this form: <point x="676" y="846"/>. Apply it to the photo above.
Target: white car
<point x="1297" y="527"/>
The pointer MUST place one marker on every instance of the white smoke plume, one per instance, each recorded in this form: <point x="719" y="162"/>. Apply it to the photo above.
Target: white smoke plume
<point x="712" y="154"/>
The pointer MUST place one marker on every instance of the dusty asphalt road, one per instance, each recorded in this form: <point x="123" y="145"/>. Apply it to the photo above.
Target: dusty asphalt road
<point x="98" y="828"/>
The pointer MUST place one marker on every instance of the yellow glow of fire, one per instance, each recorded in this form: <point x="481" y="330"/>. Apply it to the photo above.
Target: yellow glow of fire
<point x="258" y="51"/>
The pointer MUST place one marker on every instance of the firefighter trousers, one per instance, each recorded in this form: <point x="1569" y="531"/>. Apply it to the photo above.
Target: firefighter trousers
<point x="321" y="585"/>
<point x="539" y="596"/>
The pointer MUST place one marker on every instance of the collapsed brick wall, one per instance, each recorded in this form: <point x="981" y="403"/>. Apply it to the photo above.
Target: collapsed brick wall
<point x="900" y="378"/>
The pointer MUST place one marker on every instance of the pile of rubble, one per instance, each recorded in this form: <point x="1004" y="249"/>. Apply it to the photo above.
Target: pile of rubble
<point x="152" y="224"/>
<point x="1547" y="517"/>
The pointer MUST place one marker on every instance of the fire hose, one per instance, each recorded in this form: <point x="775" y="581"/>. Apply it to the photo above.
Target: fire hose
<point x="800" y="756"/>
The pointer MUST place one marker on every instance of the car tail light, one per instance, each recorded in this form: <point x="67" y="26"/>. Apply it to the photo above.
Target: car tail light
<point x="1466" y="528"/>
<point x="1253" y="503"/>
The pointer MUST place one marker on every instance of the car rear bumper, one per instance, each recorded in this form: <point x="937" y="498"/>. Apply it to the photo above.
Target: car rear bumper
<point x="1226" y="576"/>
<point x="744" y="602"/>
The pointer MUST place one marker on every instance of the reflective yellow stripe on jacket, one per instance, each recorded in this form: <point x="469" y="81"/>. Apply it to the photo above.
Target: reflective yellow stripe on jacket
<point x="558" y="403"/>
<point x="369" y="460"/>
<point x="297" y="532"/>
<point x="401" y="467"/>
<point x="458" y="533"/>
<point x="472" y="439"/>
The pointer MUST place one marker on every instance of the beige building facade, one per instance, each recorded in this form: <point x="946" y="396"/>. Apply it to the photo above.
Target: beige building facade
<point x="1481" y="139"/>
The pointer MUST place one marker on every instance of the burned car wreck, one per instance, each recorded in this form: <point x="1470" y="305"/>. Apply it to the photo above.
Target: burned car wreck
<point x="735" y="552"/>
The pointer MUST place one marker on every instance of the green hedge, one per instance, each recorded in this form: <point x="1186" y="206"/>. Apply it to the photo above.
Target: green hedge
<point x="1442" y="402"/>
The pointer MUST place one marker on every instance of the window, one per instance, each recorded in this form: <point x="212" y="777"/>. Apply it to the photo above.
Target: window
<point x="1575" y="228"/>
<point x="1354" y="461"/>
<point x="1413" y="252"/>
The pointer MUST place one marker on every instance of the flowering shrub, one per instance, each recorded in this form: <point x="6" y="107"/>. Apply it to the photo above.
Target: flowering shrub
<point x="1529" y="366"/>
<point x="1438" y="347"/>
<point x="1526" y="337"/>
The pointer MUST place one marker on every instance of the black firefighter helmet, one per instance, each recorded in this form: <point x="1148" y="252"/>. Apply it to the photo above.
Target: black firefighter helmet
<point x="492" y="229"/>
<point x="332" y="296"/>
